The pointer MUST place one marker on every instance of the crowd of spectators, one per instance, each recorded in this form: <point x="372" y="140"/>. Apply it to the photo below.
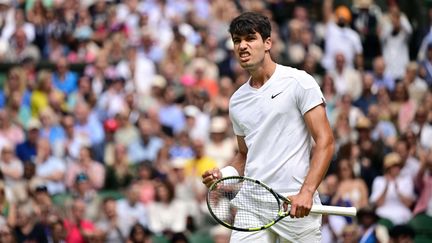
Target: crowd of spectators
<point x="111" y="110"/>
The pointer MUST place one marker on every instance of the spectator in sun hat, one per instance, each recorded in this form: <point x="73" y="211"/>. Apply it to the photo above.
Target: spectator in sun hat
<point x="221" y="146"/>
<point x="417" y="86"/>
<point x="392" y="193"/>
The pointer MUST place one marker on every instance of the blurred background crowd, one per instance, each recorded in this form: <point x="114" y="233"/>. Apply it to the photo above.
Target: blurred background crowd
<point x="110" y="111"/>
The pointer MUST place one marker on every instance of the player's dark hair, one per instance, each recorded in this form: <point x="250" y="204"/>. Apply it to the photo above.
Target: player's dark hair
<point x="249" y="23"/>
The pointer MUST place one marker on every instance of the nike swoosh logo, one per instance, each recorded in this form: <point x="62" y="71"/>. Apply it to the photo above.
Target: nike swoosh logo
<point x="273" y="96"/>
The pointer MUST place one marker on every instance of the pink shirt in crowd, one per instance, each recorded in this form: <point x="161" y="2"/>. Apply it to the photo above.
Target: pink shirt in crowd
<point x="73" y="231"/>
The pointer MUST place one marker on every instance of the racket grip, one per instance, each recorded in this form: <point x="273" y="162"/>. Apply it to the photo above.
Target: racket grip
<point x="334" y="210"/>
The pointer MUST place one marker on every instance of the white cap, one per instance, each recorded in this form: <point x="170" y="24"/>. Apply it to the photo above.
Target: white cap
<point x="34" y="123"/>
<point x="178" y="163"/>
<point x="159" y="81"/>
<point x="218" y="124"/>
<point x="191" y="111"/>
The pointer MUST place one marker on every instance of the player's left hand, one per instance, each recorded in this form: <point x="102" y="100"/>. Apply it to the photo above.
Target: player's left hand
<point x="301" y="204"/>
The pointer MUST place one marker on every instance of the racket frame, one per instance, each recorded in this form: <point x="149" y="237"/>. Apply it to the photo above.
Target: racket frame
<point x="281" y="213"/>
<point x="316" y="209"/>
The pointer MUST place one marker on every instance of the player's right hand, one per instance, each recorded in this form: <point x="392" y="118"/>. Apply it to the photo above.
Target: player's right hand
<point x="211" y="176"/>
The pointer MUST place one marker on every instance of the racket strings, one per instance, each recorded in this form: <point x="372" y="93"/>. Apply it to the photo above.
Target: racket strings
<point x="243" y="203"/>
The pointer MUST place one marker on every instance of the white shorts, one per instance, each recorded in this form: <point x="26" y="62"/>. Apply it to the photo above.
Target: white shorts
<point x="288" y="230"/>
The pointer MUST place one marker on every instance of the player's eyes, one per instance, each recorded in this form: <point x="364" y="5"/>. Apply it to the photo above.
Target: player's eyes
<point x="250" y="37"/>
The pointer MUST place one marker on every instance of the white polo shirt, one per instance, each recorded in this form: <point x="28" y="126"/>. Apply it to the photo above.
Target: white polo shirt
<point x="271" y="119"/>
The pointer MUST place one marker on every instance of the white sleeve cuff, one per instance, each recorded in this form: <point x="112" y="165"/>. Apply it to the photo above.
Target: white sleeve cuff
<point x="229" y="171"/>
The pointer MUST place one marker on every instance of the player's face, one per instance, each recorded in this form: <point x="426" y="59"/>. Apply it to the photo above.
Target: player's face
<point x="250" y="49"/>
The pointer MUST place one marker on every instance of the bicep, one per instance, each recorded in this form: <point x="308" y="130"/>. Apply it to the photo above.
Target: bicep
<point x="317" y="123"/>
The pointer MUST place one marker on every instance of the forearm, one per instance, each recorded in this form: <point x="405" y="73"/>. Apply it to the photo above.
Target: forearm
<point x="405" y="200"/>
<point x="320" y="162"/>
<point x="56" y="176"/>
<point x="239" y="162"/>
<point x="381" y="198"/>
<point x="418" y="181"/>
<point x="97" y="179"/>
<point x="327" y="9"/>
<point x="14" y="173"/>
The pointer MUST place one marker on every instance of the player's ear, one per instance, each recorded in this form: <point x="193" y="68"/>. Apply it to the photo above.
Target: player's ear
<point x="268" y="44"/>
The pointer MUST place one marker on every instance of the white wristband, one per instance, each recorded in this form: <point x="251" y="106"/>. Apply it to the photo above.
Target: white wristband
<point x="229" y="171"/>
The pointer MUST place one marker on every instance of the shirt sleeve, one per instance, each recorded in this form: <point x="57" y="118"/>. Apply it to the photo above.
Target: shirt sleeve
<point x="308" y="93"/>
<point x="406" y="187"/>
<point x="378" y="186"/>
<point x="236" y="127"/>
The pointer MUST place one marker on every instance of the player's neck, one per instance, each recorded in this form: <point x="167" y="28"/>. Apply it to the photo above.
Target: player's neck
<point x="262" y="74"/>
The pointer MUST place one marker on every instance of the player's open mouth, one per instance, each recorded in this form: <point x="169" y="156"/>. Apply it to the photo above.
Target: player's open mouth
<point x="244" y="56"/>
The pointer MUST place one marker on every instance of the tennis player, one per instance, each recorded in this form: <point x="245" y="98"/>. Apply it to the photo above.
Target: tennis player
<point x="275" y="116"/>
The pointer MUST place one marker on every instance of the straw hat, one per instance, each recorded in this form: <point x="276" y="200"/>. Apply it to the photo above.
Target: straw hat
<point x="363" y="4"/>
<point x="363" y="123"/>
<point x="392" y="159"/>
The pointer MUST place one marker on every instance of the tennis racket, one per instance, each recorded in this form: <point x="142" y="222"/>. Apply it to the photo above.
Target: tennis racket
<point x="245" y="204"/>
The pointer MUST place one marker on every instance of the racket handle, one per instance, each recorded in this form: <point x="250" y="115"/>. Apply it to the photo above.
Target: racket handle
<point x="334" y="210"/>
